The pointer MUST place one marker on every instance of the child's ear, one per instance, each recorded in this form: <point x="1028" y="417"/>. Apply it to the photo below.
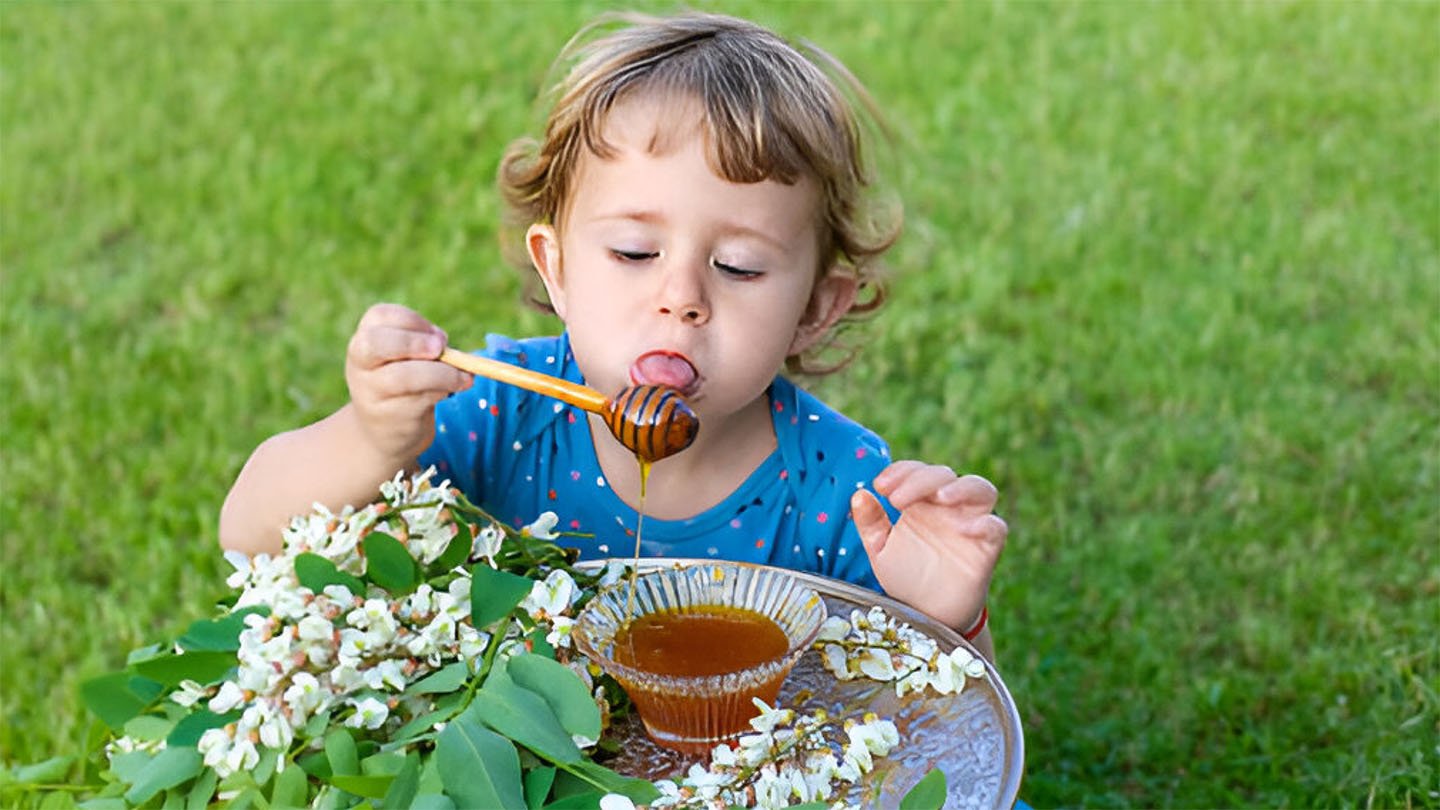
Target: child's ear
<point x="543" y="245"/>
<point x="832" y="297"/>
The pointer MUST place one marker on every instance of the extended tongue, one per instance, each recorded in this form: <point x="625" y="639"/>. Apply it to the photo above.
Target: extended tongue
<point x="664" y="368"/>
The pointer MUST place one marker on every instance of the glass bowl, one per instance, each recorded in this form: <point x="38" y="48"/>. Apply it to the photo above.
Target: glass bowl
<point x="692" y="704"/>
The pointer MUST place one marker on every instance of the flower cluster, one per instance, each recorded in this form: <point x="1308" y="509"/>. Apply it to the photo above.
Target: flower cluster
<point x="351" y="651"/>
<point x="875" y="645"/>
<point x="789" y="759"/>
<point x="410" y="632"/>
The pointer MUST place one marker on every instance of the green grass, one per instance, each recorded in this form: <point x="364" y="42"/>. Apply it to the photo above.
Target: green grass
<point x="1170" y="278"/>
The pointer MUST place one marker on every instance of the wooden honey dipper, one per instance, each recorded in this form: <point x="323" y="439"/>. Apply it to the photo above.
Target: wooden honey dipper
<point x="652" y="421"/>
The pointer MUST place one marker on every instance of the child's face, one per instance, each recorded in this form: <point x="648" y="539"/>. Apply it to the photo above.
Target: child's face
<point x="665" y="273"/>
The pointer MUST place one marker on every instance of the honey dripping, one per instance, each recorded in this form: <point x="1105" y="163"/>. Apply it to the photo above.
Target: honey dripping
<point x="639" y="527"/>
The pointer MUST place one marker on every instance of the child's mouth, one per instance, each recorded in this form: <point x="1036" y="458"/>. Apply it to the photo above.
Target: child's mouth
<point x="670" y="369"/>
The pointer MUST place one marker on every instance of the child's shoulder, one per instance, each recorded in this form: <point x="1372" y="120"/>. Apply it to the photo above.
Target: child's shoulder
<point x="821" y="444"/>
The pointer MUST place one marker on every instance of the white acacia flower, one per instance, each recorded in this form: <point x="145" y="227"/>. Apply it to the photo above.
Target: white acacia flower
<point x="242" y="756"/>
<point x="229" y="696"/>
<point x="189" y="693"/>
<point x="369" y="713"/>
<point x="544" y="527"/>
<point x="487" y="543"/>
<point x="303" y="696"/>
<point x="879" y="736"/>
<point x="551" y="596"/>
<point x="276" y="731"/>
<point x="315" y="628"/>
<point x="876" y="664"/>
<point x="559" y="635"/>
<point x="389" y="672"/>
<point x="616" y="801"/>
<point x="213" y="746"/>
<point x="835" y="628"/>
<point x="770" y="719"/>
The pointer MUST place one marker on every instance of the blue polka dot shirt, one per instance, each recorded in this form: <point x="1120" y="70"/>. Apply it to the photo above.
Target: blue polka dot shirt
<point x="518" y="454"/>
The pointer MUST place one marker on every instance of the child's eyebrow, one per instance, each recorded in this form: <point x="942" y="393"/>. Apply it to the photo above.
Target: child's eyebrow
<point x="727" y="229"/>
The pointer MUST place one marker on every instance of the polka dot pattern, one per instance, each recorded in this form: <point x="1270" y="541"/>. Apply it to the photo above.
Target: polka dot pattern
<point x="520" y="454"/>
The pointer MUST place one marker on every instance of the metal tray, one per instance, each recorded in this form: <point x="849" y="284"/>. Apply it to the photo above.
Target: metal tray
<point x="974" y="737"/>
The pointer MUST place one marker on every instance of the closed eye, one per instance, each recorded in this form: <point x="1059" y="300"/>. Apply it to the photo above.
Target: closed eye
<point x="633" y="255"/>
<point x="733" y="271"/>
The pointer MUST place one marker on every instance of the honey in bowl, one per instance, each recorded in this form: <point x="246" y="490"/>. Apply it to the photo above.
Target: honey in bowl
<point x="712" y="640"/>
<point x="701" y="646"/>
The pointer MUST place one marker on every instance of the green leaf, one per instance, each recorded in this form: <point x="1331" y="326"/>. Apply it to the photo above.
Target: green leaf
<point x="169" y="768"/>
<point x="148" y="727"/>
<point x="577" y="801"/>
<point x="537" y="786"/>
<point x="128" y="766"/>
<point x="316" y="764"/>
<point x="524" y="717"/>
<point x="561" y="689"/>
<point x="205" y="667"/>
<point x="119" y="696"/>
<point x="342" y="754"/>
<point x="607" y="781"/>
<point x="430" y="781"/>
<point x="388" y="564"/>
<point x="928" y="794"/>
<point x="479" y="767"/>
<point x="219" y="635"/>
<point x="445" y="679"/>
<point x="203" y="790"/>
<point x="265" y="769"/>
<point x="193" y="726"/>
<point x="292" y="788"/>
<point x="407" y="783"/>
<point x="417" y="727"/>
<point x="457" y="552"/>
<point x="46" y="772"/>
<point x="494" y="594"/>
<point x="371" y="787"/>
<point x="432" y="801"/>
<point x="104" y="803"/>
<point x="384" y="763"/>
<point x="538" y="643"/>
<point x="316" y="572"/>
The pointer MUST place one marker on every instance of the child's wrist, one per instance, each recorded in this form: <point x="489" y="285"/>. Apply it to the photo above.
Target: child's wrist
<point x="978" y="626"/>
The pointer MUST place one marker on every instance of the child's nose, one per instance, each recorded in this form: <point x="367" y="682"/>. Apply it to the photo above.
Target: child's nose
<point x="683" y="297"/>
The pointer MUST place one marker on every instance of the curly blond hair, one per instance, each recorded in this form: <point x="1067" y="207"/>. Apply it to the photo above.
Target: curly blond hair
<point x="769" y="111"/>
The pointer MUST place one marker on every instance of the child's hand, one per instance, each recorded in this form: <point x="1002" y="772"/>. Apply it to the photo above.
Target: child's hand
<point x="395" y="380"/>
<point x="938" y="557"/>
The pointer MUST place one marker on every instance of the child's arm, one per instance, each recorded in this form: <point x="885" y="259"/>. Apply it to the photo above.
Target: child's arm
<point x="939" y="556"/>
<point x="341" y="459"/>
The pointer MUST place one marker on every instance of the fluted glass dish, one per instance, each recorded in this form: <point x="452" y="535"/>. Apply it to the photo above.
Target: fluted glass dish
<point x="693" y="713"/>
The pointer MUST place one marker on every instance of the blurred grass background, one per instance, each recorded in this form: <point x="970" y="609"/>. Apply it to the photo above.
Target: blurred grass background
<point x="1170" y="279"/>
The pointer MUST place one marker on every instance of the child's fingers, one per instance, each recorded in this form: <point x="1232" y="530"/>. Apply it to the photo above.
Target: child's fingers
<point x="973" y="494"/>
<point x="990" y="529"/>
<point x="871" y="521"/>
<point x="912" y="481"/>
<point x="373" y="347"/>
<point x="408" y="378"/>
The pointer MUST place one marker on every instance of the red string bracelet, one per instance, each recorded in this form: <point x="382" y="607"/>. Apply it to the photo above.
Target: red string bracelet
<point x="969" y="635"/>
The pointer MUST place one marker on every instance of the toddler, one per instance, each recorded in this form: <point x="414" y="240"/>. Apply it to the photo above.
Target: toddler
<point x="695" y="214"/>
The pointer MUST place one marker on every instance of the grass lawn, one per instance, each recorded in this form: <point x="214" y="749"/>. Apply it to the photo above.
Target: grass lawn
<point x="1170" y="279"/>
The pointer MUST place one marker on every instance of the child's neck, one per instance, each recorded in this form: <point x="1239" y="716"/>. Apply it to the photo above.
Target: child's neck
<point x="724" y="454"/>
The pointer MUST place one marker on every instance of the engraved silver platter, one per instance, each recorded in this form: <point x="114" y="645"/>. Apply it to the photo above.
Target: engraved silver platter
<point x="973" y="737"/>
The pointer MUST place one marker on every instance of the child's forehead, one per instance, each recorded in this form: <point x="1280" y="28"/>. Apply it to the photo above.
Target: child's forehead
<point x="656" y="123"/>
